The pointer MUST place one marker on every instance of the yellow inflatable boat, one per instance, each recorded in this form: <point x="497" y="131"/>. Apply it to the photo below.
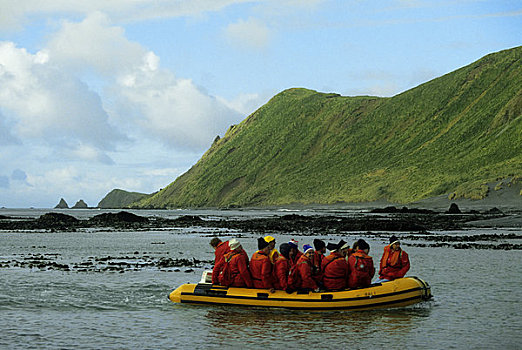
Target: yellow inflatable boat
<point x="397" y="293"/>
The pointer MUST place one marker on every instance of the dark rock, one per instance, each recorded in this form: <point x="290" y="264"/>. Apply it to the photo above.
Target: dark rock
<point x="494" y="211"/>
<point x="51" y="220"/>
<point x="62" y="204"/>
<point x="403" y="210"/>
<point x="416" y="211"/>
<point x="387" y="210"/>
<point x="80" y="205"/>
<point x="454" y="209"/>
<point x="188" y="218"/>
<point x="291" y="217"/>
<point x="118" y="218"/>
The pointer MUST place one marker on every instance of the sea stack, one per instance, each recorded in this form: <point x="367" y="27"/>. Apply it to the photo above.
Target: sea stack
<point x="62" y="204"/>
<point x="80" y="205"/>
<point x="454" y="209"/>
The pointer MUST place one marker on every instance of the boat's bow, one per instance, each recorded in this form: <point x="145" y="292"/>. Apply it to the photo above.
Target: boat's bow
<point x="175" y="295"/>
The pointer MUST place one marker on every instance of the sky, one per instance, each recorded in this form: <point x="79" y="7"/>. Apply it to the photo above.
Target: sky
<point x="97" y="95"/>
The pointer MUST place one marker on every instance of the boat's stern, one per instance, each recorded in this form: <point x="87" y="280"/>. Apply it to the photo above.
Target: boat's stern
<point x="426" y="289"/>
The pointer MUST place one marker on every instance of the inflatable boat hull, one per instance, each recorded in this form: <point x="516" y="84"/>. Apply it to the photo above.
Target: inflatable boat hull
<point x="397" y="293"/>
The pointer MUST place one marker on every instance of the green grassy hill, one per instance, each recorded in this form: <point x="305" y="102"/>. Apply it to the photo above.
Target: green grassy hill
<point x="120" y="199"/>
<point x="449" y="136"/>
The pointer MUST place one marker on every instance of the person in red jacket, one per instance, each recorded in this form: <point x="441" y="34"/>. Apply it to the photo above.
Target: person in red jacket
<point x="335" y="267"/>
<point x="274" y="254"/>
<point x="361" y="266"/>
<point x="320" y="250"/>
<point x="304" y="266"/>
<point x="282" y="267"/>
<point x="220" y="249"/>
<point x="261" y="267"/>
<point x="294" y="245"/>
<point x="394" y="262"/>
<point x="235" y="272"/>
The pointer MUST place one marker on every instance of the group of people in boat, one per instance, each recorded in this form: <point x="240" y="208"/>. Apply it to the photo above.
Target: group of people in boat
<point x="291" y="269"/>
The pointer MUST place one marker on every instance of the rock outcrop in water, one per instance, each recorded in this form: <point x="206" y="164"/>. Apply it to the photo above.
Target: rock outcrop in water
<point x="80" y="205"/>
<point x="62" y="204"/>
<point x="118" y="219"/>
<point x="403" y="210"/>
<point x="57" y="221"/>
<point x="403" y="220"/>
<point x="454" y="209"/>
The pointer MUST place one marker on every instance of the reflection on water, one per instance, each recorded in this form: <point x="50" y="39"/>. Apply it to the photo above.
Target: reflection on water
<point x="257" y="324"/>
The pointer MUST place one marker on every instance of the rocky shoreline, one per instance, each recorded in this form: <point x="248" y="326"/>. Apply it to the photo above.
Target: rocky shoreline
<point x="417" y="227"/>
<point x="382" y="219"/>
<point x="120" y="264"/>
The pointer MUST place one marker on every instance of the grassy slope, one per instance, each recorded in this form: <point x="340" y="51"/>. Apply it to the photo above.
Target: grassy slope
<point x="120" y="199"/>
<point x="451" y="134"/>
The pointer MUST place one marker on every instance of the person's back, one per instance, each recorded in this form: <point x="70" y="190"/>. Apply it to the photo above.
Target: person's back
<point x="361" y="267"/>
<point x="394" y="262"/>
<point x="261" y="267"/>
<point x="335" y="268"/>
<point x="320" y="249"/>
<point x="282" y="267"/>
<point x="335" y="271"/>
<point x="220" y="249"/>
<point x="239" y="276"/>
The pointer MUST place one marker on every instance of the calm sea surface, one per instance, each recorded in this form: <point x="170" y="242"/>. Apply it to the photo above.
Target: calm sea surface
<point x="477" y="296"/>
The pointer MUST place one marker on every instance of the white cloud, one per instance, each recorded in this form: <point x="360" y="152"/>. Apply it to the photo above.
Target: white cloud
<point x="53" y="104"/>
<point x="86" y="153"/>
<point x="175" y="110"/>
<point x="248" y="34"/>
<point x="6" y="136"/>
<point x="246" y="104"/>
<point x="15" y="13"/>
<point x="50" y="116"/>
<point x="148" y="99"/>
<point x="94" y="43"/>
<point x="50" y="105"/>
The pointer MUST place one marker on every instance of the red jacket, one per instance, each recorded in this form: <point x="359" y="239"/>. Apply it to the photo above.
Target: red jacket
<point x="335" y="271"/>
<point x="361" y="270"/>
<point x="304" y="271"/>
<point x="238" y="264"/>
<point x="296" y="257"/>
<point x="219" y="253"/>
<point x="394" y="264"/>
<point x="282" y="268"/>
<point x="261" y="270"/>
<point x="318" y="260"/>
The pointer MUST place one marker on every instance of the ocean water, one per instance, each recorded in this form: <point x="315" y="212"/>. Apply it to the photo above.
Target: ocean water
<point x="476" y="305"/>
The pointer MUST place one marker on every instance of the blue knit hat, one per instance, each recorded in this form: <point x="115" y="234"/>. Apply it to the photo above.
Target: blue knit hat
<point x="307" y="247"/>
<point x="293" y="244"/>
